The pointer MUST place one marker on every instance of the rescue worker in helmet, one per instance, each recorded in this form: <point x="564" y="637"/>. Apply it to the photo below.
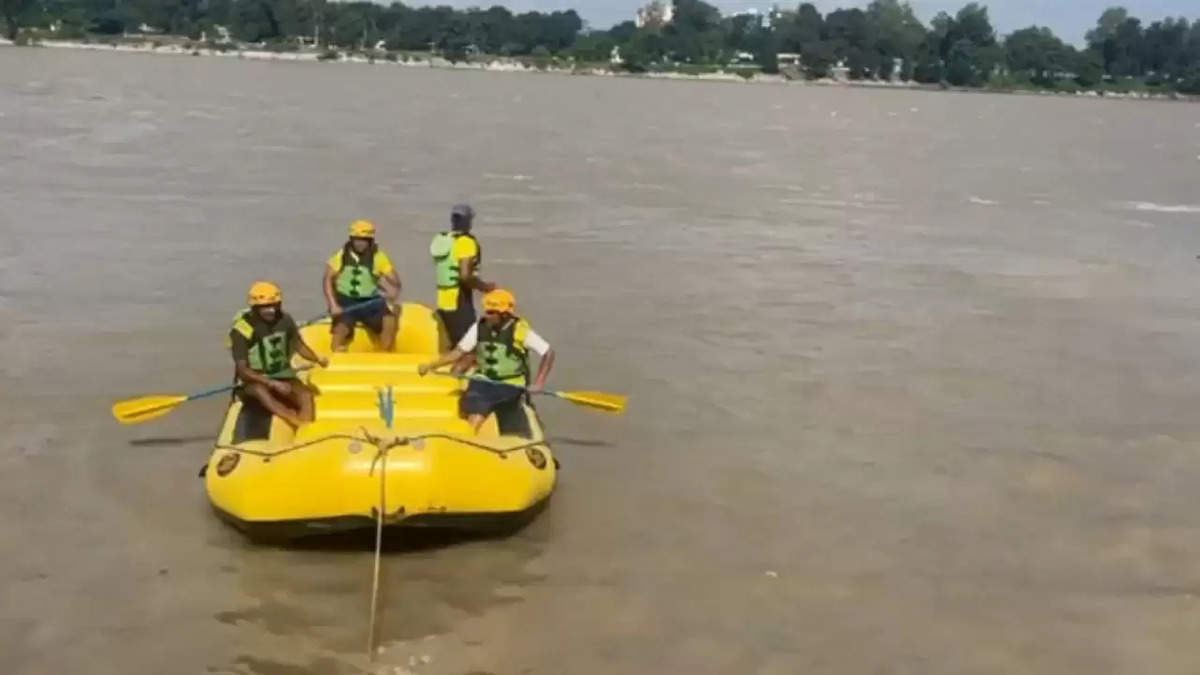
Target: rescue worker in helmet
<point x="501" y="342"/>
<point x="457" y="258"/>
<point x="263" y="340"/>
<point x="361" y="272"/>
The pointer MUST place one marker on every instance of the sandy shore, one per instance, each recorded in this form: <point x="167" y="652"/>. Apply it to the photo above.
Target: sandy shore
<point x="502" y="65"/>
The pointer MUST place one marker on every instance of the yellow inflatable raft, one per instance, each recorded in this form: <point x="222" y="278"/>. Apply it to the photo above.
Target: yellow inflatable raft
<point x="427" y="470"/>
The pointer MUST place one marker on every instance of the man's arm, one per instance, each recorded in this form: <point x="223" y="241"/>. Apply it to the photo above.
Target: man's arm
<point x="536" y="343"/>
<point x="543" y="373"/>
<point x="391" y="285"/>
<point x="443" y="360"/>
<point x="330" y="295"/>
<point x="304" y="350"/>
<point x="465" y="346"/>
<point x="468" y="277"/>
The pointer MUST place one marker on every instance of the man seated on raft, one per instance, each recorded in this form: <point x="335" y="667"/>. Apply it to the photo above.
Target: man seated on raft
<point x="501" y="342"/>
<point x="263" y="339"/>
<point x="362" y="286"/>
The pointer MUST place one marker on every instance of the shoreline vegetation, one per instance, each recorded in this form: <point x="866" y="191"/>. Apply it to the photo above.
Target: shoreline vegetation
<point x="884" y="45"/>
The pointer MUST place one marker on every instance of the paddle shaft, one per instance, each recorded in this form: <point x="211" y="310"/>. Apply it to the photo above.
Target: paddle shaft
<point x="352" y="308"/>
<point x="563" y="395"/>
<point x="228" y="387"/>
<point x="210" y="392"/>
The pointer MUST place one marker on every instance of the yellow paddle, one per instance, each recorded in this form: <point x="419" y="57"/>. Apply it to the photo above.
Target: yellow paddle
<point x="146" y="408"/>
<point x="600" y="400"/>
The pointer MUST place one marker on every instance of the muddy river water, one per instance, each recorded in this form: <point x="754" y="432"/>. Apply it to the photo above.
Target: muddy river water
<point x="914" y="377"/>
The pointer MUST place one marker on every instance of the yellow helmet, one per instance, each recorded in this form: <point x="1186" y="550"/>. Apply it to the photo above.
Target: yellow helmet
<point x="264" y="293"/>
<point x="499" y="300"/>
<point x="364" y="229"/>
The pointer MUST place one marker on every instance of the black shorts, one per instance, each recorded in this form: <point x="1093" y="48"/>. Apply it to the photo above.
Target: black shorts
<point x="458" y="321"/>
<point x="481" y="397"/>
<point x="370" y="316"/>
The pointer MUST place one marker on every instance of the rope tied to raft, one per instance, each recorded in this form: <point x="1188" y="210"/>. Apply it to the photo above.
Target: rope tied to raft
<point x="387" y="411"/>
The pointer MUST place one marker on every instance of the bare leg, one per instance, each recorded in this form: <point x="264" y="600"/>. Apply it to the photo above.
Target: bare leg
<point x="476" y="422"/>
<point x="273" y="404"/>
<point x="341" y="335"/>
<point x="303" y="397"/>
<point x="387" y="333"/>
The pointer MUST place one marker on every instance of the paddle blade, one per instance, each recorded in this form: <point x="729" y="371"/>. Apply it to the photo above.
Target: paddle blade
<point x="600" y="400"/>
<point x="138" y="410"/>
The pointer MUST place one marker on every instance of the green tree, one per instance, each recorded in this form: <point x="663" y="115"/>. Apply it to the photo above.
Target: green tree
<point x="966" y="45"/>
<point x="1106" y="26"/>
<point x="1089" y="68"/>
<point x="739" y="32"/>
<point x="851" y="35"/>
<point x="645" y="48"/>
<point x="13" y="11"/>
<point x="1037" y="53"/>
<point x="594" y="47"/>
<point x="898" y="35"/>
<point x="694" y="34"/>
<point x="960" y="64"/>
<point x="1118" y="38"/>
<point x="623" y="32"/>
<point x="767" y="54"/>
<point x="928" y="67"/>
<point x="1165" y="48"/>
<point x="973" y="25"/>
<point x="1127" y="49"/>
<point x="818" y="60"/>
<point x="801" y="30"/>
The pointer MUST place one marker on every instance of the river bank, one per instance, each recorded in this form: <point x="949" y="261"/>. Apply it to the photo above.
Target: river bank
<point x="171" y="46"/>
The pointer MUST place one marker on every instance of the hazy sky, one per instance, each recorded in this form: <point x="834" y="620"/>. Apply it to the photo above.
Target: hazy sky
<point x="1070" y="19"/>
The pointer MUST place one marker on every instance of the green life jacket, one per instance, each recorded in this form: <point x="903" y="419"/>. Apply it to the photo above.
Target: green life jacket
<point x="270" y="350"/>
<point x="444" y="265"/>
<point x="498" y="353"/>
<point x="356" y="279"/>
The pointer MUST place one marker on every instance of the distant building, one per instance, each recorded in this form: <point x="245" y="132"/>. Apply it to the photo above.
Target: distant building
<point x="788" y="58"/>
<point x="753" y="16"/>
<point x="657" y="13"/>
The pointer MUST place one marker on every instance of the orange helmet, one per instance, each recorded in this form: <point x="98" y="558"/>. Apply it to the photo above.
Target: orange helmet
<point x="363" y="229"/>
<point x="264" y="293"/>
<point x="499" y="300"/>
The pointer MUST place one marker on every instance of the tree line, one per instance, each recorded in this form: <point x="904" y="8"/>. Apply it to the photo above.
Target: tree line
<point x="883" y="41"/>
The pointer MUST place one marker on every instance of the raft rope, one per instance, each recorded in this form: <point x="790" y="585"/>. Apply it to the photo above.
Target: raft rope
<point x="387" y="410"/>
<point x="267" y="456"/>
<point x="378" y="553"/>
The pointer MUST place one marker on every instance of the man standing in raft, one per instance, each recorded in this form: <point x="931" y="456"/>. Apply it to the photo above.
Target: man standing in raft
<point x="356" y="274"/>
<point x="457" y="258"/>
<point x="501" y="342"/>
<point x="263" y="339"/>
